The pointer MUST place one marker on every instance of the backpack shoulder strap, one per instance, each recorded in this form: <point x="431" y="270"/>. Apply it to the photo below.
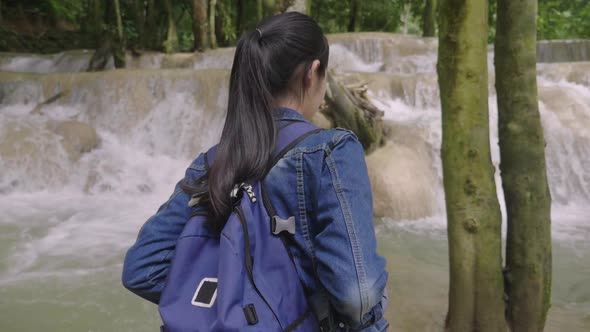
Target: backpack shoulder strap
<point x="288" y="137"/>
<point x="291" y="135"/>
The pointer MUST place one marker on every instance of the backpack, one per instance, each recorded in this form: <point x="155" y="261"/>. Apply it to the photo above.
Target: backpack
<point x="242" y="278"/>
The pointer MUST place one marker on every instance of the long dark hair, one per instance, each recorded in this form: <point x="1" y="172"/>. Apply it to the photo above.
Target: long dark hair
<point x="269" y="62"/>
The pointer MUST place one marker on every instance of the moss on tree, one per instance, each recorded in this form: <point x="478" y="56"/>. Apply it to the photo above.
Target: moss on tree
<point x="524" y="176"/>
<point x="473" y="212"/>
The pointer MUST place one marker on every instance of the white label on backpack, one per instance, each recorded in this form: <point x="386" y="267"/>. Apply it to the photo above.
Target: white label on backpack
<point x="206" y="293"/>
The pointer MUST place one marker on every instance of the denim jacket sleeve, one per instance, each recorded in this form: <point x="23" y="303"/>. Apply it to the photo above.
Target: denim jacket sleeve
<point x="348" y="265"/>
<point x="147" y="262"/>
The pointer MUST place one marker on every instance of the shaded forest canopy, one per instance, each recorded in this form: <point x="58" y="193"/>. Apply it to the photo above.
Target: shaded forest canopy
<point x="46" y="26"/>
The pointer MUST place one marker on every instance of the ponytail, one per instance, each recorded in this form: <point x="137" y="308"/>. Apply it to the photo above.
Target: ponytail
<point x="264" y="66"/>
<point x="248" y="137"/>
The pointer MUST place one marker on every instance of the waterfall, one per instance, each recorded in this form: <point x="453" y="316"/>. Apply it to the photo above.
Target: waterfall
<point x="72" y="206"/>
<point x="166" y="110"/>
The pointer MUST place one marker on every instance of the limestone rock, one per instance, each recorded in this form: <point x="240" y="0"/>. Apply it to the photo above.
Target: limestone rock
<point x="403" y="183"/>
<point x="78" y="138"/>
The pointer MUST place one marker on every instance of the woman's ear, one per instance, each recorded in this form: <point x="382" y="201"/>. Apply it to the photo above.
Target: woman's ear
<point x="312" y="74"/>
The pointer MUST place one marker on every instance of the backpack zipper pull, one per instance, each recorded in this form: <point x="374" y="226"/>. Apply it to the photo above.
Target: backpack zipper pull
<point x="245" y="187"/>
<point x="250" y="192"/>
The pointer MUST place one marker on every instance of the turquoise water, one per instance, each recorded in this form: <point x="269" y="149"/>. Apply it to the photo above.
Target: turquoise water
<point x="78" y="289"/>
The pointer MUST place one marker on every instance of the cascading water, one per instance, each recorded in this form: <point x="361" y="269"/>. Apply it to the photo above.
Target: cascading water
<point x="72" y="206"/>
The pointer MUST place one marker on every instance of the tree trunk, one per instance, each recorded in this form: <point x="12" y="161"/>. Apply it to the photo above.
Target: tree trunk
<point x="200" y="25"/>
<point x="98" y="21"/>
<point x="349" y="108"/>
<point x="212" y="38"/>
<point x="140" y="16"/>
<point x="241" y="24"/>
<point x="429" y="24"/>
<point x="0" y="11"/>
<point x="474" y="222"/>
<point x="171" y="43"/>
<point x="354" y="20"/>
<point x="119" y="20"/>
<point x="150" y="37"/>
<point x="220" y="35"/>
<point x="104" y="37"/>
<point x="524" y="176"/>
<point x="119" y="45"/>
<point x="259" y="10"/>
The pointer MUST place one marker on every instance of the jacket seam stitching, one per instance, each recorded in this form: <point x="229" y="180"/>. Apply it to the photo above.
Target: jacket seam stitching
<point x="302" y="207"/>
<point x="352" y="233"/>
<point x="343" y="134"/>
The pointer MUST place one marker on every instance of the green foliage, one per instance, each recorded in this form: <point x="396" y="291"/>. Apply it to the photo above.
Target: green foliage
<point x="130" y="30"/>
<point x="558" y="19"/>
<point x="71" y="10"/>
<point x="563" y="19"/>
<point x="230" y="35"/>
<point x="332" y="15"/>
<point x="186" y="41"/>
<point x="376" y="15"/>
<point x="492" y="14"/>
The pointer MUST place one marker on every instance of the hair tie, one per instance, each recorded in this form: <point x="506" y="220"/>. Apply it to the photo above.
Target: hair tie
<point x="259" y="32"/>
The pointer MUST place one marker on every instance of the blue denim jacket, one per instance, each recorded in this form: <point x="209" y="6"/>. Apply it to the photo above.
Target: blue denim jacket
<point x="323" y="182"/>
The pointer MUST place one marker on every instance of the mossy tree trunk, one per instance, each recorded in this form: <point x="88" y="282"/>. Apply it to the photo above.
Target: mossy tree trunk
<point x="474" y="221"/>
<point x="212" y="37"/>
<point x="150" y="37"/>
<point x="119" y="19"/>
<point x="200" y="25"/>
<point x="524" y="176"/>
<point x="98" y="20"/>
<point x="242" y="18"/>
<point x="429" y="24"/>
<point x="354" y="18"/>
<point x="140" y="17"/>
<point x="259" y="10"/>
<point x="119" y="45"/>
<point x="220" y="33"/>
<point x="104" y="36"/>
<point x="171" y="42"/>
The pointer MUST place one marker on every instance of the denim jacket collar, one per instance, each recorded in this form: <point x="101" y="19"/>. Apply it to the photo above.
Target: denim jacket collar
<point x="284" y="113"/>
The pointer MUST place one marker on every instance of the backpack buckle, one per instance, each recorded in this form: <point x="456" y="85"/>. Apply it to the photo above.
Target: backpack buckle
<point x="279" y="225"/>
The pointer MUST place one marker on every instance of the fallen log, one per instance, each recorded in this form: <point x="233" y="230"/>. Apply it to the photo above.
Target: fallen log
<point x="39" y="108"/>
<point x="348" y="106"/>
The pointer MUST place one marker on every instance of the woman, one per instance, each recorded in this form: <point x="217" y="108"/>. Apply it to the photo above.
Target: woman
<point x="279" y="76"/>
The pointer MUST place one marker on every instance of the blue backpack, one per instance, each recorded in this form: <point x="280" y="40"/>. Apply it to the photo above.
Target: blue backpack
<point x="242" y="279"/>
